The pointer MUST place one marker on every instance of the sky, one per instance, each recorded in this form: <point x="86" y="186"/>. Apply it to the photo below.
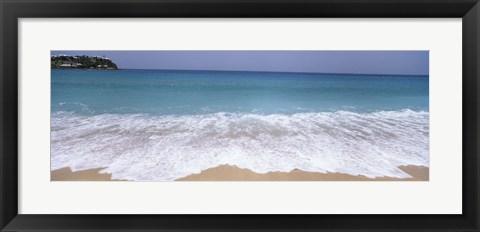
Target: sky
<point x="362" y="62"/>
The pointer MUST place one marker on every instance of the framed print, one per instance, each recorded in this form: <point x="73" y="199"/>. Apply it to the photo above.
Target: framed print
<point x="246" y="116"/>
<point x="253" y="115"/>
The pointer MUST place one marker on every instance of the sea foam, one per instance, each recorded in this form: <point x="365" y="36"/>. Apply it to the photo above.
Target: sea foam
<point x="164" y="148"/>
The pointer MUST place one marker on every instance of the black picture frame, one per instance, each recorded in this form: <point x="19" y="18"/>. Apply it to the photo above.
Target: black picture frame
<point x="12" y="10"/>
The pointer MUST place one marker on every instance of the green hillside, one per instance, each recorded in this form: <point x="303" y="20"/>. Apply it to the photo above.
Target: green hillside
<point x="81" y="62"/>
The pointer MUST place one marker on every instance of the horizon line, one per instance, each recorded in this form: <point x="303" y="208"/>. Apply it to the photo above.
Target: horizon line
<point x="216" y="70"/>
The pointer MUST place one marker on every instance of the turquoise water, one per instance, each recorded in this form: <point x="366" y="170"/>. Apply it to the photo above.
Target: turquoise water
<point x="157" y="92"/>
<point x="151" y="125"/>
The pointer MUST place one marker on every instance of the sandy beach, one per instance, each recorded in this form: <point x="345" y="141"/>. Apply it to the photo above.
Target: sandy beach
<point x="66" y="174"/>
<point x="233" y="173"/>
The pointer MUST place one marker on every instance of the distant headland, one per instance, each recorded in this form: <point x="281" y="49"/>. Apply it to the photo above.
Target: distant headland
<point x="82" y="62"/>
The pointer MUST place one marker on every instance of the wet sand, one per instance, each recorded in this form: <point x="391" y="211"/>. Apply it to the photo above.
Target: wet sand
<point x="66" y="174"/>
<point x="233" y="173"/>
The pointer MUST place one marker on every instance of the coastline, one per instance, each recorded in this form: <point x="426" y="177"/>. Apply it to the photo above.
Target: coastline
<point x="234" y="173"/>
<point x="66" y="174"/>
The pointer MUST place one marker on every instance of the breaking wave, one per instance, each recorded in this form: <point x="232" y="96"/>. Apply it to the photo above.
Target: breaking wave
<point x="164" y="148"/>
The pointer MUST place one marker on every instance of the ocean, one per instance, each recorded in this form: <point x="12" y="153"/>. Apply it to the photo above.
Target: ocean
<point x="158" y="125"/>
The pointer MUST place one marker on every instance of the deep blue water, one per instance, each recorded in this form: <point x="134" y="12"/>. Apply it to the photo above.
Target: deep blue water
<point x="157" y="92"/>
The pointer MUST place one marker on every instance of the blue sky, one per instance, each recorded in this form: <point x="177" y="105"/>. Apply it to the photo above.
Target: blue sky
<point x="364" y="62"/>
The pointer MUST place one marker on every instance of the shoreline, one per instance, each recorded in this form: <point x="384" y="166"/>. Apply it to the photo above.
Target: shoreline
<point x="66" y="174"/>
<point x="234" y="173"/>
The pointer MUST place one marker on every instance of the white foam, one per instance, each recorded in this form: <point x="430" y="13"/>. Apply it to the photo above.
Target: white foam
<point x="165" y="148"/>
